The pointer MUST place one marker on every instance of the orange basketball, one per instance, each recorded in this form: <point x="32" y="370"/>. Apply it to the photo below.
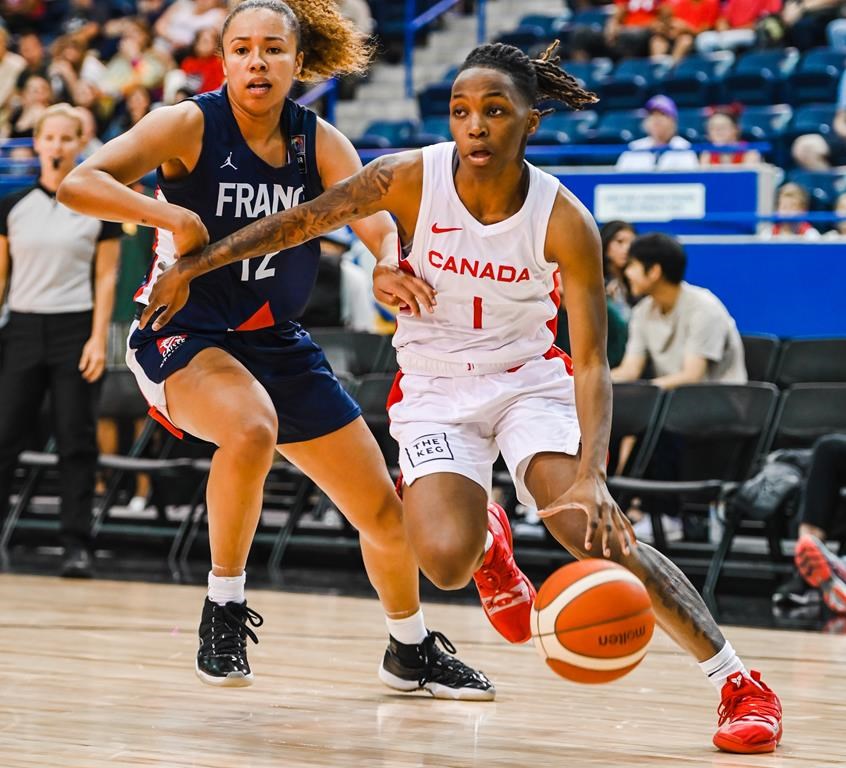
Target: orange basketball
<point x="592" y="621"/>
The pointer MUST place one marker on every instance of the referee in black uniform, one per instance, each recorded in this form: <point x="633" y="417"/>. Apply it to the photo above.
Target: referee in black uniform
<point x="58" y="271"/>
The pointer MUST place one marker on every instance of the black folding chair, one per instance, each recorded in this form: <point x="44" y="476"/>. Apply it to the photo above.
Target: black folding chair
<point x="760" y="352"/>
<point x="353" y="352"/>
<point x="811" y="360"/>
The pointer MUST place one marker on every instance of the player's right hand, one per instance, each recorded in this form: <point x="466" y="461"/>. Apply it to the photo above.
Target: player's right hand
<point x="391" y="286"/>
<point x="169" y="295"/>
<point x="190" y="234"/>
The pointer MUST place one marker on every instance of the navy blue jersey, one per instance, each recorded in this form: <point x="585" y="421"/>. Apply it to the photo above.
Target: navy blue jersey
<point x="229" y="188"/>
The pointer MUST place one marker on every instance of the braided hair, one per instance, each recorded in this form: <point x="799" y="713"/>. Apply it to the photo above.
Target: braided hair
<point x="539" y="79"/>
<point x="331" y="44"/>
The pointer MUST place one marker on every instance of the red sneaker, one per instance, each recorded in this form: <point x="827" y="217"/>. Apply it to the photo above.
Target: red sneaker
<point x="750" y="716"/>
<point x="507" y="594"/>
<point x="822" y="569"/>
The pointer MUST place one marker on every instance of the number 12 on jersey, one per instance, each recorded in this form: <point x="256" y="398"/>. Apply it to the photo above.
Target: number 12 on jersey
<point x="264" y="269"/>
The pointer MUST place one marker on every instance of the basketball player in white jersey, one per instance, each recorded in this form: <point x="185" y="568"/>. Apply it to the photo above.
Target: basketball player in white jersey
<point x="480" y="375"/>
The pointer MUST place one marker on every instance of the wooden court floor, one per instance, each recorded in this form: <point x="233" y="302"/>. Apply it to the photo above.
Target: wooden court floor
<point x="101" y="674"/>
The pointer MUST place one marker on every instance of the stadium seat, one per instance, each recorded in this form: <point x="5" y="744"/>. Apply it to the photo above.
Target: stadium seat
<point x="550" y="26"/>
<point x="526" y="38"/>
<point x="811" y="360"/>
<point x="397" y="132"/>
<point x="636" y="406"/>
<point x="630" y="84"/>
<point x="576" y="126"/>
<point x="806" y="412"/>
<point x="757" y="77"/>
<point x="548" y="137"/>
<point x="692" y="123"/>
<point x="760" y="352"/>
<point x="589" y="73"/>
<point x="424" y="139"/>
<point x="353" y="352"/>
<point x="695" y="80"/>
<point x="619" y="127"/>
<point x="434" y="100"/>
<point x="371" y="141"/>
<point x="816" y="76"/>
<point x="764" y="122"/>
<point x="434" y="124"/>
<point x="823" y="186"/>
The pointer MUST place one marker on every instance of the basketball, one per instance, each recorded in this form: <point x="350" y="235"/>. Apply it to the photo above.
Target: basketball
<point x="592" y="621"/>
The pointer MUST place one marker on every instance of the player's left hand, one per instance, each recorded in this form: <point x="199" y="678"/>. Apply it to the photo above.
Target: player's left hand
<point x="590" y="494"/>
<point x="392" y="286"/>
<point x="92" y="362"/>
<point x="170" y="293"/>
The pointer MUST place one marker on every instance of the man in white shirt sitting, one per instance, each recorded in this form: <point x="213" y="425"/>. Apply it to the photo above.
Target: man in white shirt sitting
<point x="662" y="149"/>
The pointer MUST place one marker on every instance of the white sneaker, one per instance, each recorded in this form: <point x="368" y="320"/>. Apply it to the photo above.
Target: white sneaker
<point x="673" y="529"/>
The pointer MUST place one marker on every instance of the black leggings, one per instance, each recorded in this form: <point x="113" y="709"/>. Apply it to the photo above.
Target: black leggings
<point x="827" y="475"/>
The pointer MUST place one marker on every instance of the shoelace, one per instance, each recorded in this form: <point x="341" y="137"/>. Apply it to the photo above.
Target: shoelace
<point x="757" y="702"/>
<point x="237" y="618"/>
<point x="434" y="658"/>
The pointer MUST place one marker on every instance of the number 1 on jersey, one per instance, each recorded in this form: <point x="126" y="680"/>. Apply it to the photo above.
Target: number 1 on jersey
<point x="477" y="311"/>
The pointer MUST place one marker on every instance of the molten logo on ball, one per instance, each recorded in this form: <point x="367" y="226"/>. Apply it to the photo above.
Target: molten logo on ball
<point x="592" y="621"/>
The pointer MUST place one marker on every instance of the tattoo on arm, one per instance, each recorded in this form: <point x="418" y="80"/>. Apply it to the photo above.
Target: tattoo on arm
<point x="355" y="198"/>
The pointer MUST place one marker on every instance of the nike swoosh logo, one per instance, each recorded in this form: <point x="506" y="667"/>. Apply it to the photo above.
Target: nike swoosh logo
<point x="440" y="230"/>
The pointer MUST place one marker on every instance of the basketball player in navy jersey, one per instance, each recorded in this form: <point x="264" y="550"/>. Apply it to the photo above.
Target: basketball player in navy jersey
<point x="232" y="367"/>
<point x="479" y="374"/>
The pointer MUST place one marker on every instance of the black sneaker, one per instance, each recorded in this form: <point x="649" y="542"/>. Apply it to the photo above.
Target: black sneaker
<point x="222" y="658"/>
<point x="78" y="563"/>
<point x="412" y="667"/>
<point x="796" y="593"/>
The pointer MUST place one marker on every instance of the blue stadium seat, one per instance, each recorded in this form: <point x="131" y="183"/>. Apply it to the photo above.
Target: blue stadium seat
<point x="397" y="132"/>
<point x="823" y="186"/>
<point x="435" y="125"/>
<point x="764" y="122"/>
<point x="810" y="118"/>
<point x="816" y="76"/>
<point x="545" y="136"/>
<point x="592" y="17"/>
<point x="450" y="74"/>
<point x="630" y="84"/>
<point x="526" y="38"/>
<point x="576" y="126"/>
<point x="758" y="77"/>
<point x="434" y="99"/>
<point x="589" y="73"/>
<point x="696" y="79"/>
<point x="551" y="25"/>
<point x="423" y="139"/>
<point x="371" y="141"/>
<point x="619" y="127"/>
<point x="692" y="123"/>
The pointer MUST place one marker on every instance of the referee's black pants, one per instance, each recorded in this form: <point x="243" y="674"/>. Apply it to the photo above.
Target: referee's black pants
<point x="39" y="353"/>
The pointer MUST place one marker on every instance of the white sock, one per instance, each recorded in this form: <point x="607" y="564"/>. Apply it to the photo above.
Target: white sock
<point x="408" y="631"/>
<point x="718" y="668"/>
<point x="227" y="589"/>
<point x="488" y="541"/>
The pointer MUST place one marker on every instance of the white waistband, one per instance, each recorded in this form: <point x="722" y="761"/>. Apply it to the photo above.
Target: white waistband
<point x="411" y="362"/>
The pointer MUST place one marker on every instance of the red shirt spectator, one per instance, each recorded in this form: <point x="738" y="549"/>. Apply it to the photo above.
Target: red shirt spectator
<point x="203" y="66"/>
<point x="639" y="13"/>
<point x="740" y="14"/>
<point x="698" y="15"/>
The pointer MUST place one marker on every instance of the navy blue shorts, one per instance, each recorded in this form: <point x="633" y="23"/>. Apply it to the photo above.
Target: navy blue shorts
<point x="309" y="401"/>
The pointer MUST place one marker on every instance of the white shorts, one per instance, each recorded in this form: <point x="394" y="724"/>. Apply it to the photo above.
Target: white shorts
<point x="459" y="424"/>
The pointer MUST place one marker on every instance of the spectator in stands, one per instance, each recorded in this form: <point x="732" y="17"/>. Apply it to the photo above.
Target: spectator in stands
<point x="178" y="26"/>
<point x="735" y="26"/>
<point x="836" y="33"/>
<point x="682" y="330"/>
<point x="662" y="149"/>
<point x="806" y="21"/>
<point x="57" y="271"/>
<point x="791" y="200"/>
<point x="629" y="33"/>
<point x="22" y="14"/>
<point x="616" y="237"/>
<point x="33" y="53"/>
<point x="203" y="66"/>
<point x="11" y="65"/>
<point x="680" y="21"/>
<point x="358" y="12"/>
<point x="135" y="63"/>
<point x="839" y="230"/>
<point x="818" y="572"/>
<point x="89" y="141"/>
<point x="72" y="63"/>
<point x="35" y="98"/>
<point x="723" y="131"/>
<point x="137" y="104"/>
<point x="818" y="152"/>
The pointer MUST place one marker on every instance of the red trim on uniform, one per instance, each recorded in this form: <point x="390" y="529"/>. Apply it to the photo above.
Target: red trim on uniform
<point x="152" y="264"/>
<point x="394" y="396"/>
<point x="263" y="318"/>
<point x="477" y="311"/>
<point x="552" y="323"/>
<point x="406" y="267"/>
<point x="550" y="354"/>
<point x="156" y="414"/>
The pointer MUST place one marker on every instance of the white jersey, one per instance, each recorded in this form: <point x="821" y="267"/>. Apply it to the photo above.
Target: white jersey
<point x="497" y="298"/>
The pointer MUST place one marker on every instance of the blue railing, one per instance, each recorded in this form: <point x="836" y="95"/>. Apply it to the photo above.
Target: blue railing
<point x="412" y="24"/>
<point x="329" y="89"/>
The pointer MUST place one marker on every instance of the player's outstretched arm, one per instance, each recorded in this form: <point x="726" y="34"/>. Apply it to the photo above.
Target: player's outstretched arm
<point x="573" y="243"/>
<point x="386" y="184"/>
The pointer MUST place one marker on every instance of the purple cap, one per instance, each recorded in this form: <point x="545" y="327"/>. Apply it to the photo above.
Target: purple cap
<point x="663" y="104"/>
